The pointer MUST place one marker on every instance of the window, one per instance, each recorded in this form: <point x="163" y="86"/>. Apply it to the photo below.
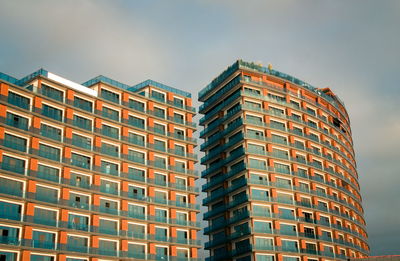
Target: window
<point x="78" y="222"/>
<point x="110" y="131"/>
<point x="252" y="105"/>
<point x="45" y="217"/>
<point x="159" y="128"/>
<point x="49" y="152"/>
<point x="260" y="257"/>
<point x="48" y="173"/>
<point x="110" y="113"/>
<point x="18" y="100"/>
<point x="136" y="139"/>
<point x="254" y="119"/>
<point x="110" y="96"/>
<point x="109" y="187"/>
<point x="17" y="121"/>
<point x="178" y="102"/>
<point x="81" y="141"/>
<point x="50" y="132"/>
<point x="37" y="257"/>
<point x="108" y="206"/>
<point x="160" y="179"/>
<point x="180" y="134"/>
<point x="10" y="211"/>
<point x="160" y="197"/>
<point x="160" y="162"/>
<point x="259" y="179"/>
<point x="291" y="246"/>
<point x="179" y="118"/>
<point x="279" y="139"/>
<point x="108" y="248"/>
<point x="83" y="104"/>
<point x="136" y="174"/>
<point x="277" y="125"/>
<point x="109" y="149"/>
<point x="52" y="93"/>
<point x="182" y="236"/>
<point x="276" y="97"/>
<point x="289" y="230"/>
<point x="51" y="112"/>
<point x="250" y="90"/>
<point x="158" y="96"/>
<point x="80" y="161"/>
<point x="161" y="253"/>
<point x="136" y="211"/>
<point x="159" y="145"/>
<point x="286" y="213"/>
<point x="264" y="243"/>
<point x="41" y="239"/>
<point x="158" y="112"/>
<point x="283" y="183"/>
<point x="9" y="235"/>
<point x="179" y="150"/>
<point x="108" y="227"/>
<point x="136" y="122"/>
<point x="260" y="194"/>
<point x="46" y="194"/>
<point x="77" y="243"/>
<point x="258" y="164"/>
<point x="82" y="122"/>
<point x="136" y="192"/>
<point x="180" y="166"/>
<point x="136" y="231"/>
<point x="136" y="156"/>
<point x="262" y="211"/>
<point x="161" y="234"/>
<point x="256" y="149"/>
<point x="282" y="168"/>
<point x="109" y="168"/>
<point x="262" y="227"/>
<point x="11" y="187"/>
<point x="136" y="105"/>
<point x="14" y="142"/>
<point x="136" y="251"/>
<point x="13" y="164"/>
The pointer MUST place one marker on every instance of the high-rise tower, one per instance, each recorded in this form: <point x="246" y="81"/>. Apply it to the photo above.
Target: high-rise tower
<point x="280" y="168"/>
<point x="98" y="171"/>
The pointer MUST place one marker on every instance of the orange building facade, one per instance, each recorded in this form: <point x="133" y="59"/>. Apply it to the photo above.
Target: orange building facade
<point x="98" y="171"/>
<point x="280" y="168"/>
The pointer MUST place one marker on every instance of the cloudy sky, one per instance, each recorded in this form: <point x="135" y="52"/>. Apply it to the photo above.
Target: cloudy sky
<point x="350" y="46"/>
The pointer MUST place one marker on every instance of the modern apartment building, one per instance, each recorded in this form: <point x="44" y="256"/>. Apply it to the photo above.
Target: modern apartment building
<point x="98" y="171"/>
<point x="280" y="168"/>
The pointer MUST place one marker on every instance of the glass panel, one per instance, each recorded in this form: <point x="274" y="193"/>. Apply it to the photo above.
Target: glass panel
<point x="83" y="104"/>
<point x="52" y="93"/>
<point x="50" y="132"/>
<point x="14" y="142"/>
<point x="52" y="112"/>
<point x="17" y="121"/>
<point x="18" y="100"/>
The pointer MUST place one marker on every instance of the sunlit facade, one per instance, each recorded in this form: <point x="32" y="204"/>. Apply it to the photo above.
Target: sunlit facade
<point x="98" y="171"/>
<point x="280" y="169"/>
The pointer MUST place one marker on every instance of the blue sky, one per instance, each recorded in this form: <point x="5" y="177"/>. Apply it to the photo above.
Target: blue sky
<point x="350" y="46"/>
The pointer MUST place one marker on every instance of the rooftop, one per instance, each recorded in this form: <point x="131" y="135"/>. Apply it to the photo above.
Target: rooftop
<point x="253" y="66"/>
<point x="134" y="88"/>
